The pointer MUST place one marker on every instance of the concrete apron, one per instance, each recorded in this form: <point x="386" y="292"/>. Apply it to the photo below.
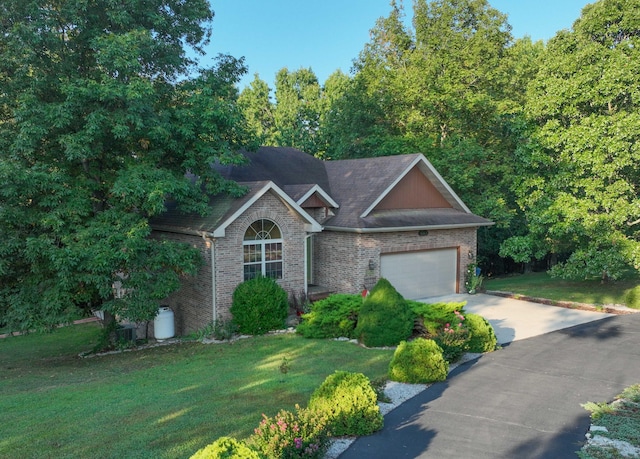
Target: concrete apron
<point x="514" y="319"/>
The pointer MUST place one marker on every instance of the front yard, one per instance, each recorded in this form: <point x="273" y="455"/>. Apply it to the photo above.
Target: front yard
<point x="164" y="402"/>
<point x="541" y="285"/>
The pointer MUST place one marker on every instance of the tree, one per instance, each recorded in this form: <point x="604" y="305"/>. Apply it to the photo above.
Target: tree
<point x="366" y="120"/>
<point x="580" y="186"/>
<point x="297" y="111"/>
<point x="255" y="103"/>
<point x="101" y="119"/>
<point x="452" y="87"/>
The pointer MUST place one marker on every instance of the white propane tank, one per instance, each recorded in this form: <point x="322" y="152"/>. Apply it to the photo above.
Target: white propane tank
<point x="163" y="327"/>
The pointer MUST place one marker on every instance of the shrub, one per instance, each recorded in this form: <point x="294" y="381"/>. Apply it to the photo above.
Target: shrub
<point x="453" y="338"/>
<point x="632" y="298"/>
<point x="385" y="318"/>
<point x="482" y="337"/>
<point x="349" y="402"/>
<point x="288" y="435"/>
<point x="259" y="305"/>
<point x="226" y="448"/>
<point x="432" y="317"/>
<point x="418" y="361"/>
<point x="332" y="317"/>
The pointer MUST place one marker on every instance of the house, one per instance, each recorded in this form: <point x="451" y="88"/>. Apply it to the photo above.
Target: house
<point x="339" y="225"/>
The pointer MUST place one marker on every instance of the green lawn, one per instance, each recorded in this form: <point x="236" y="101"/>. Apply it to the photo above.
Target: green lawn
<point x="541" y="285"/>
<point x="164" y="402"/>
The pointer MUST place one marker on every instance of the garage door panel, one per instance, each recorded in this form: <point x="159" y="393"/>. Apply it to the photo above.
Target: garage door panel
<point x="421" y="274"/>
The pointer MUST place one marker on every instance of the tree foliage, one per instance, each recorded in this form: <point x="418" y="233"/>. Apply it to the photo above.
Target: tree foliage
<point x="579" y="188"/>
<point x="101" y="117"/>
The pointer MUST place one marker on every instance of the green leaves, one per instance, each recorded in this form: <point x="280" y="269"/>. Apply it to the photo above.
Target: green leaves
<point x="101" y="119"/>
<point x="582" y="188"/>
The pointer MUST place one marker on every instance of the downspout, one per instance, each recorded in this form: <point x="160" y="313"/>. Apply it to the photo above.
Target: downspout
<point x="214" y="305"/>
<point x="306" y="261"/>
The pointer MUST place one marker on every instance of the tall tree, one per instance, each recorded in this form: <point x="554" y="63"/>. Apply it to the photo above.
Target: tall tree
<point x="255" y="103"/>
<point x="297" y="112"/>
<point x="100" y="121"/>
<point x="580" y="191"/>
<point x="451" y="87"/>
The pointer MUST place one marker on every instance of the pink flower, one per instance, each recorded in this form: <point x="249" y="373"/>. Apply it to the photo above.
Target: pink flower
<point x="298" y="442"/>
<point x="447" y="326"/>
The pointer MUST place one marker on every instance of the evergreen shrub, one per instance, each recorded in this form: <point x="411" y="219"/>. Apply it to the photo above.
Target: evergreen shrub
<point x="332" y="317"/>
<point x="349" y="403"/>
<point x="482" y="337"/>
<point x="226" y="448"/>
<point x="417" y="362"/>
<point x="259" y="305"/>
<point x="632" y="299"/>
<point x="385" y="318"/>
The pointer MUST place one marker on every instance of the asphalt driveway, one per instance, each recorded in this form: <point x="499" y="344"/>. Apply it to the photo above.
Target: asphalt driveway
<point x="522" y="401"/>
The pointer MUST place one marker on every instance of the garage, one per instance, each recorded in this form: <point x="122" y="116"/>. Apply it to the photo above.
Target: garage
<point x="421" y="274"/>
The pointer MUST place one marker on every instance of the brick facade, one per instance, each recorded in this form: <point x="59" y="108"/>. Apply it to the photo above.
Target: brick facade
<point x="342" y="258"/>
<point x="194" y="305"/>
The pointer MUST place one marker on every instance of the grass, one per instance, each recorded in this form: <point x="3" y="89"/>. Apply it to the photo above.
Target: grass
<point x="622" y="421"/>
<point x="163" y="402"/>
<point x="541" y="285"/>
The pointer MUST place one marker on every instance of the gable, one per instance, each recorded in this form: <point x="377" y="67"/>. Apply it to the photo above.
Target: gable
<point x="413" y="191"/>
<point x="313" y="201"/>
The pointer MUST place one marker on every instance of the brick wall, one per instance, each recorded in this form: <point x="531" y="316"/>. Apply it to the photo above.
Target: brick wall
<point x="229" y="254"/>
<point x="193" y="304"/>
<point x="342" y="259"/>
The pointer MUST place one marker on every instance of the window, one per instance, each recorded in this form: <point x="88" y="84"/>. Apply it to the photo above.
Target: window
<point x="262" y="250"/>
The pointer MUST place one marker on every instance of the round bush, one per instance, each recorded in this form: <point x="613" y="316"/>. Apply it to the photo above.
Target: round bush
<point x="385" y="318"/>
<point x="482" y="336"/>
<point x="349" y="403"/>
<point x="632" y="298"/>
<point x="417" y="362"/>
<point x="332" y="317"/>
<point x="226" y="448"/>
<point x="259" y="305"/>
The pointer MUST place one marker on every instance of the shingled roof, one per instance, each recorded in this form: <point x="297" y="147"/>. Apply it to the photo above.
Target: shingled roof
<point x="224" y="209"/>
<point x="353" y="188"/>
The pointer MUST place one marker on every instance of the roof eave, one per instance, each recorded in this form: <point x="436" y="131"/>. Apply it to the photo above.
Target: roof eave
<point x="407" y="228"/>
<point x="312" y="225"/>
<point x="182" y="230"/>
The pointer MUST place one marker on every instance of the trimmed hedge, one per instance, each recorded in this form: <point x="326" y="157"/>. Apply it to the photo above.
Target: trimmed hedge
<point x="226" y="448"/>
<point x="385" y="317"/>
<point x="482" y="336"/>
<point x="417" y="362"/>
<point x="333" y="317"/>
<point x="259" y="306"/>
<point x="350" y="404"/>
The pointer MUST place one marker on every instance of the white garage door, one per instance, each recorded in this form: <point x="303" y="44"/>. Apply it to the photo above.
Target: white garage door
<point x="421" y="274"/>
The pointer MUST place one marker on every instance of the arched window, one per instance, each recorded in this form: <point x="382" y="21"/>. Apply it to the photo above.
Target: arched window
<point x="262" y="250"/>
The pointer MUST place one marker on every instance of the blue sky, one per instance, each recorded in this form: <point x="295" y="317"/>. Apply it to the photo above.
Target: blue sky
<point x="327" y="35"/>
